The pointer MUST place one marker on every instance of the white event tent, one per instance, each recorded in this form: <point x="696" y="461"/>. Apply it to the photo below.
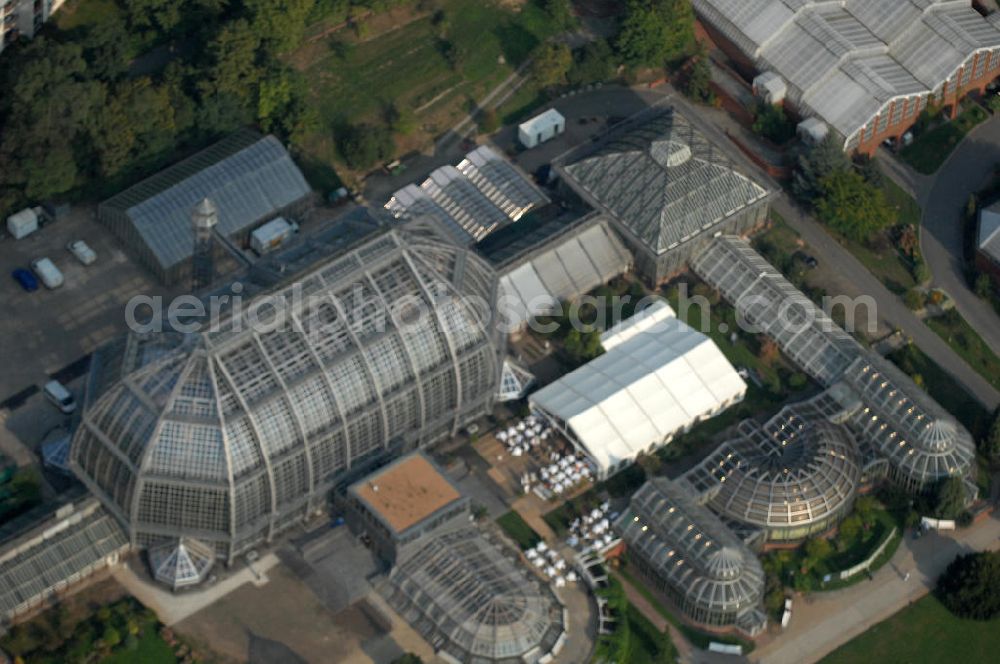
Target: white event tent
<point x="657" y="377"/>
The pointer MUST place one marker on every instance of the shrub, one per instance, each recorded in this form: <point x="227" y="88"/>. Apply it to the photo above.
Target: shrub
<point x="363" y="145"/>
<point x="915" y="299"/>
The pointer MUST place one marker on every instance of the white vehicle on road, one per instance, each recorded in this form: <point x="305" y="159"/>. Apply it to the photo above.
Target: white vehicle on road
<point x="60" y="396"/>
<point x="82" y="251"/>
<point x="47" y="272"/>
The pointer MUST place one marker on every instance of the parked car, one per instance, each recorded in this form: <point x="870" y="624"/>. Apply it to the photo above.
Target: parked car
<point x="25" y="278"/>
<point x="82" y="251"/>
<point x="60" y="396"/>
<point x="47" y="272"/>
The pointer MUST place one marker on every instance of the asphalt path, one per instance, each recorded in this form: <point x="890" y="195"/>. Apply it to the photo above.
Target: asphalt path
<point x="966" y="171"/>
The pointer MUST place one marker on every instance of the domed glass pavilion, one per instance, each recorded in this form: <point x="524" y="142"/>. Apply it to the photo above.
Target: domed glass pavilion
<point x="235" y="434"/>
<point x="793" y="477"/>
<point x="690" y="555"/>
<point x="473" y="602"/>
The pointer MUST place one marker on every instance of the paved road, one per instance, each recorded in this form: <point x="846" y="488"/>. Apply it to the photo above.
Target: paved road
<point x="966" y="171"/>
<point x="823" y="622"/>
<point x="890" y="307"/>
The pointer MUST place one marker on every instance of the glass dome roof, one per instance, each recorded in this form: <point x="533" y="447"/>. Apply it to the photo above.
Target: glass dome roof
<point x="234" y="434"/>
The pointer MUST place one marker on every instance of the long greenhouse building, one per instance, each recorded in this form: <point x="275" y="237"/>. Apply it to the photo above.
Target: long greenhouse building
<point x="230" y="436"/>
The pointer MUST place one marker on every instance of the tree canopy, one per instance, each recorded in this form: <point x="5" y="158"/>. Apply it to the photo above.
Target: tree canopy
<point x="98" y="107"/>
<point x="551" y="63"/>
<point x="654" y="32"/>
<point x="853" y="207"/>
<point x="950" y="498"/>
<point x="968" y="587"/>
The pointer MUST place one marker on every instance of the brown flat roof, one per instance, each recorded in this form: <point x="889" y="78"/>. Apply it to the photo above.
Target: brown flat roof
<point x="406" y="492"/>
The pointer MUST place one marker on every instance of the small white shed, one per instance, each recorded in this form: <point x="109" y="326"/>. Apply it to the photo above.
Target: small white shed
<point x="541" y="128"/>
<point x="770" y="88"/>
<point x="812" y="130"/>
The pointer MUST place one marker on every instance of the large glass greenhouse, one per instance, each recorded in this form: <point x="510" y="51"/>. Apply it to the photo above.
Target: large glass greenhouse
<point x="474" y="602"/>
<point x="231" y="436"/>
<point x="791" y="477"/>
<point x="691" y="556"/>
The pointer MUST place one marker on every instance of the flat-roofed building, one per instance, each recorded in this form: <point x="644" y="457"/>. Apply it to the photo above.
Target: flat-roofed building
<point x="402" y="502"/>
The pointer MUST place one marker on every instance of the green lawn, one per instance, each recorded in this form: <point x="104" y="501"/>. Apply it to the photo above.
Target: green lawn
<point x="943" y="388"/>
<point x="968" y="344"/>
<point x="357" y="80"/>
<point x="930" y="149"/>
<point x="152" y="650"/>
<point x="518" y="530"/>
<point x="79" y="13"/>
<point x="924" y="633"/>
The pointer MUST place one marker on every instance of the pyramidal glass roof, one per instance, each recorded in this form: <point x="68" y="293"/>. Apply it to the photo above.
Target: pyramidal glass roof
<point x="181" y="562"/>
<point x="662" y="180"/>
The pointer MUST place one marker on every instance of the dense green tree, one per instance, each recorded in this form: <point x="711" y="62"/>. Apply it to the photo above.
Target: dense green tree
<point x="654" y="32"/>
<point x="363" y="145"/>
<point x="560" y="12"/>
<point x="279" y="23"/>
<point x="950" y="498"/>
<point x="968" y="587"/>
<point x="848" y="531"/>
<point x="853" y="207"/>
<point x="593" y="63"/>
<point x="771" y="122"/>
<point x="816" y="163"/>
<point x="696" y="84"/>
<point x="551" y="63"/>
<point x="991" y="444"/>
<point x="233" y="56"/>
<point x="984" y="286"/>
<point x="160" y="15"/>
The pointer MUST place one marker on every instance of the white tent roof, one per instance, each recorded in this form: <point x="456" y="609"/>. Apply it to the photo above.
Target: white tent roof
<point x="657" y="377"/>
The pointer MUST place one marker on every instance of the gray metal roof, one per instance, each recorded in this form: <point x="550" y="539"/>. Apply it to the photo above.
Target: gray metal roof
<point x="247" y="177"/>
<point x="845" y="61"/>
<point x="662" y="180"/>
<point x="988" y="235"/>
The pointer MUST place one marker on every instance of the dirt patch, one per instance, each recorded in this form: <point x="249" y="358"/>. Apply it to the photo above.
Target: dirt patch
<point x="283" y="613"/>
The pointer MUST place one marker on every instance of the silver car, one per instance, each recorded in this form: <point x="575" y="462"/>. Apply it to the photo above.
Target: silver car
<point x="82" y="252"/>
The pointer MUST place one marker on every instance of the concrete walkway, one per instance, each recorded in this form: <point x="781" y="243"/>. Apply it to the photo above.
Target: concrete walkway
<point x="822" y="622"/>
<point x="172" y="608"/>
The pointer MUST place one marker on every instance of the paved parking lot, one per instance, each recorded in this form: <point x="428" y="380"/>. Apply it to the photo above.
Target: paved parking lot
<point x="44" y="331"/>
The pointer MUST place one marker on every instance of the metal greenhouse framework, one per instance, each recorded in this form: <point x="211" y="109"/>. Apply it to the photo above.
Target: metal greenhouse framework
<point x="695" y="559"/>
<point x="474" y="602"/>
<point x="232" y="435"/>
<point x="794" y="476"/>
<point x="891" y="416"/>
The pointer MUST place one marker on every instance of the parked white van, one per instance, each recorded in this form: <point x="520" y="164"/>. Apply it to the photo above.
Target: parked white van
<point x="60" y="397"/>
<point x="47" y="272"/>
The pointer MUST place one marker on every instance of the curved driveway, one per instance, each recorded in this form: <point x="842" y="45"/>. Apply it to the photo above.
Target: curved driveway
<point x="966" y="171"/>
